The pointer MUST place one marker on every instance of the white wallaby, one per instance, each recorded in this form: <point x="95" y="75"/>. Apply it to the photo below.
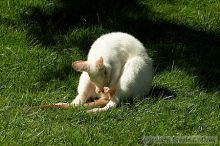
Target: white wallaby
<point x="117" y="67"/>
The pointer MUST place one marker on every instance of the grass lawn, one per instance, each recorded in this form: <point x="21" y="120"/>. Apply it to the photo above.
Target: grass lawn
<point x="39" y="39"/>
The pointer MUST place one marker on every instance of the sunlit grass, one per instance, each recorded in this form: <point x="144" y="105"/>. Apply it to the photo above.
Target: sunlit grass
<point x="37" y="49"/>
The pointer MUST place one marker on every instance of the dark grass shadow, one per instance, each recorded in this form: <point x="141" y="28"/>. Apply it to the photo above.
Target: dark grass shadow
<point x="194" y="51"/>
<point x="8" y="22"/>
<point x="159" y="92"/>
<point x="156" y="94"/>
<point x="58" y="74"/>
<point x="47" y="23"/>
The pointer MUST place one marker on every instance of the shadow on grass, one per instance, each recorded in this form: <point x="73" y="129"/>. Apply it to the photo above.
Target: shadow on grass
<point x="159" y="92"/>
<point x="58" y="74"/>
<point x="156" y="94"/>
<point x="193" y="51"/>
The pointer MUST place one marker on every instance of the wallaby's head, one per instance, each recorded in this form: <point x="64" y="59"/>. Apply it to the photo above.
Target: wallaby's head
<point x="97" y="71"/>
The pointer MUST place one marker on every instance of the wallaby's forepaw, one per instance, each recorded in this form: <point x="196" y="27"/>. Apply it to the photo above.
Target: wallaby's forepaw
<point x="106" y="90"/>
<point x="109" y="92"/>
<point x="96" y="110"/>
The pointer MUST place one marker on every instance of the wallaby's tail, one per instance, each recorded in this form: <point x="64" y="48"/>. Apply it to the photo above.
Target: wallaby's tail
<point x="56" y="105"/>
<point x="101" y="102"/>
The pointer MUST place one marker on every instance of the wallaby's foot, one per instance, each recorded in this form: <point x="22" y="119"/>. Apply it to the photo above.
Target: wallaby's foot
<point x="98" y="103"/>
<point x="111" y="104"/>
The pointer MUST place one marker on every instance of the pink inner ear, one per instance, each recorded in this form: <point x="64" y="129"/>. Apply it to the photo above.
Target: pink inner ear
<point x="81" y="66"/>
<point x="99" y="62"/>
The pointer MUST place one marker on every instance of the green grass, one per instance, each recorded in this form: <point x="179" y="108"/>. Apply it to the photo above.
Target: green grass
<point x="39" y="39"/>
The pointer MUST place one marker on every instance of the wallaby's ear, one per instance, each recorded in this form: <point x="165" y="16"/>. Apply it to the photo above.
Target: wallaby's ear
<point x="99" y="63"/>
<point x="81" y="66"/>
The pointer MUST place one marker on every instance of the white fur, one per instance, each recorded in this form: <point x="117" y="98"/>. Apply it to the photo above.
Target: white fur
<point x="128" y="65"/>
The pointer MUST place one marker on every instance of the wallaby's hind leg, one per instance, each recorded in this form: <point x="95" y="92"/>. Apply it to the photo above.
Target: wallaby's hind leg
<point x="135" y="80"/>
<point x="110" y="104"/>
<point x="101" y="102"/>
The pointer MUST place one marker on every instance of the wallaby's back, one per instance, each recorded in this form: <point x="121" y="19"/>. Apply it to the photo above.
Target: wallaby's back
<point x="116" y="45"/>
